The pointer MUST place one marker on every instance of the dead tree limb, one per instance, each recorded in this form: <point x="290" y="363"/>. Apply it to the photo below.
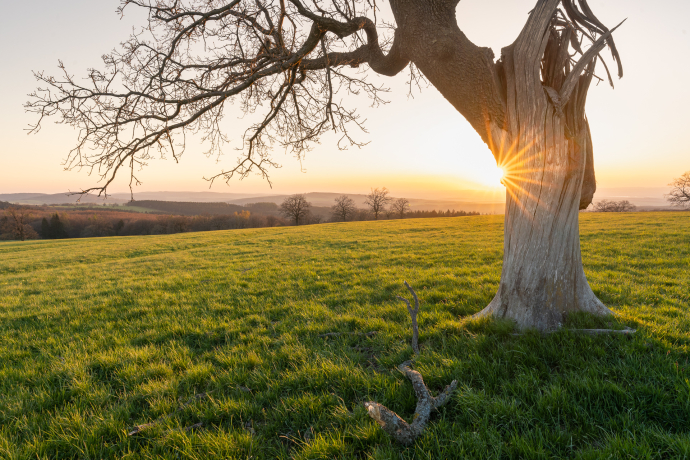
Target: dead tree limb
<point x="392" y="423"/>
<point x="413" y="315"/>
<point x="398" y="428"/>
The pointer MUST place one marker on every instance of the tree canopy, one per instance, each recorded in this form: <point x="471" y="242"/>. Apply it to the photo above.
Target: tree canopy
<point x="286" y="59"/>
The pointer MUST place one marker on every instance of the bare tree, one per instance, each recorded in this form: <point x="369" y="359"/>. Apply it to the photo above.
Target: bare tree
<point x="377" y="201"/>
<point x="295" y="208"/>
<point x="680" y="191"/>
<point x="289" y="58"/>
<point x="18" y="223"/>
<point x="614" y="206"/>
<point x="344" y="209"/>
<point x="400" y="207"/>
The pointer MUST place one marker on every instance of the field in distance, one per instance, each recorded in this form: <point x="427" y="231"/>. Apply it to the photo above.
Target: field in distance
<point x="213" y="339"/>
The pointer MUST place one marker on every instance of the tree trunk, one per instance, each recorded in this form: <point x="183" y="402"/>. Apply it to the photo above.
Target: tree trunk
<point x="543" y="279"/>
<point x="545" y="149"/>
<point x="529" y="107"/>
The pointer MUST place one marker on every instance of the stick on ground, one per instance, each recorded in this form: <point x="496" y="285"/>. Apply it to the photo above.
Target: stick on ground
<point x="392" y="423"/>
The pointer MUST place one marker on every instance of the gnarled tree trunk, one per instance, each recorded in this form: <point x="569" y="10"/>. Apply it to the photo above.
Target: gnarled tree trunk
<point x="540" y="137"/>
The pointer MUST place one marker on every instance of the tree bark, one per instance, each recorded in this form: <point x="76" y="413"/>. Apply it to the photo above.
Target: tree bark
<point x="529" y="107"/>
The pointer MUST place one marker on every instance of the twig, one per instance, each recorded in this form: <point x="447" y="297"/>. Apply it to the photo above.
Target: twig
<point x="392" y="423"/>
<point x="626" y="331"/>
<point x="398" y="428"/>
<point x="413" y="315"/>
<point x="337" y="334"/>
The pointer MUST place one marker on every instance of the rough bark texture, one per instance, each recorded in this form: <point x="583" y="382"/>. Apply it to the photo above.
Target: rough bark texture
<point x="546" y="150"/>
<point x="529" y="108"/>
<point x="394" y="425"/>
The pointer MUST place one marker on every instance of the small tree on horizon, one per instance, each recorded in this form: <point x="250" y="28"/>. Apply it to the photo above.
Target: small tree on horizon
<point x="680" y="193"/>
<point x="344" y="209"/>
<point x="296" y="208"/>
<point x="400" y="207"/>
<point x="377" y="201"/>
<point x="614" y="206"/>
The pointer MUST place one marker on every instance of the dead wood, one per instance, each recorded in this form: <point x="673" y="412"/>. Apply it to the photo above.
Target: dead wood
<point x="626" y="331"/>
<point x="413" y="315"/>
<point x="392" y="423"/>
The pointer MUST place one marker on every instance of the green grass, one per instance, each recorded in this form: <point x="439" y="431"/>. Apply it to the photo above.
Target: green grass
<point x="100" y="335"/>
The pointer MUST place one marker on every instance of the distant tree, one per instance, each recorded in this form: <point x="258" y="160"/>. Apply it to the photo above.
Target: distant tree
<point x="400" y="207"/>
<point x="57" y="228"/>
<point x="18" y="223"/>
<point x="377" y="201"/>
<point x="295" y="208"/>
<point x="46" y="233"/>
<point x="680" y="193"/>
<point x="97" y="227"/>
<point x="119" y="226"/>
<point x="344" y="209"/>
<point x="614" y="206"/>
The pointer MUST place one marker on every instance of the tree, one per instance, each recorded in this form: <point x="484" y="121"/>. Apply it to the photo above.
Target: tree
<point x="377" y="201"/>
<point x="614" y="206"/>
<point x="57" y="228"/>
<point x="18" y="223"/>
<point x="290" y="57"/>
<point x="295" y="208"/>
<point x="680" y="191"/>
<point x="400" y="207"/>
<point x="344" y="209"/>
<point x="46" y="231"/>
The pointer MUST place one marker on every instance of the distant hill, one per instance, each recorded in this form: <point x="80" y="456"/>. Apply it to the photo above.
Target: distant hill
<point x="119" y="198"/>
<point x="185" y="208"/>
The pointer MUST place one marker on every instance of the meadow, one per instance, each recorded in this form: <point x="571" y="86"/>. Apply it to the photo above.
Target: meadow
<point x="214" y="340"/>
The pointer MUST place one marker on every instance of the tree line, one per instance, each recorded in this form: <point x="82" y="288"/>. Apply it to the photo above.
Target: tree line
<point x="27" y="223"/>
<point x="379" y="205"/>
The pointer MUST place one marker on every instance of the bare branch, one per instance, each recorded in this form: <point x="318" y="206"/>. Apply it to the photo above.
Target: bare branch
<point x="394" y="425"/>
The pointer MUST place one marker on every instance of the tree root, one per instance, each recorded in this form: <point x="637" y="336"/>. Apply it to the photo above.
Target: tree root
<point x="392" y="423"/>
<point x="398" y="428"/>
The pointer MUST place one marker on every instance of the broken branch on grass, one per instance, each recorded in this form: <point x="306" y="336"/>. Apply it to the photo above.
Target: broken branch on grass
<point x="392" y="423"/>
<point x="413" y="315"/>
<point x="626" y="331"/>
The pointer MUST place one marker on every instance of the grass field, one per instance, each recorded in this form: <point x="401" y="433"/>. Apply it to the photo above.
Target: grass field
<point x="98" y="336"/>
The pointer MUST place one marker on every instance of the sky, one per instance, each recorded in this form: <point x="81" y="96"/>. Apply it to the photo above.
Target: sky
<point x="418" y="147"/>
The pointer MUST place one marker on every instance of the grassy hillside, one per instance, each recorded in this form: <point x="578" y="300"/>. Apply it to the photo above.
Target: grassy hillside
<point x="221" y="328"/>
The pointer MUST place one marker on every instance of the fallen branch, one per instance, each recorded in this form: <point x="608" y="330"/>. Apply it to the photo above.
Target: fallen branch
<point x="392" y="423"/>
<point x="626" y="331"/>
<point x="398" y="428"/>
<point x="337" y="334"/>
<point x="413" y="315"/>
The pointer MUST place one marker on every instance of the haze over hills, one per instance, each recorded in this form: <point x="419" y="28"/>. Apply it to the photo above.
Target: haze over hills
<point x="483" y="201"/>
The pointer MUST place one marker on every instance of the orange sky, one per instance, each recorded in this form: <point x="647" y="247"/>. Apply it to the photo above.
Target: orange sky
<point x="417" y="147"/>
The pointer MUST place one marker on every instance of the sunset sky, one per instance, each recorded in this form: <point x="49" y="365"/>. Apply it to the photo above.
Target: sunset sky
<point x="419" y="147"/>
